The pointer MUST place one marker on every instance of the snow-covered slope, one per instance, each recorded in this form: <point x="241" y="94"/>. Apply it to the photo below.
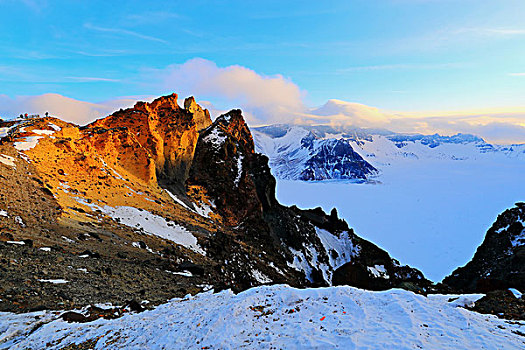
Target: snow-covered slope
<point x="300" y="152"/>
<point x="278" y="317"/>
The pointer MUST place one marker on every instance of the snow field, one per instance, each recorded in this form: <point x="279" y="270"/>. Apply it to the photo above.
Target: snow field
<point x="275" y="317"/>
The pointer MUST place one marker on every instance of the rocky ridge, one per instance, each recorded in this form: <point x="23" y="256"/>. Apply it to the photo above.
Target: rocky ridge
<point x="497" y="268"/>
<point x="156" y="201"/>
<point x="323" y="152"/>
<point x="298" y="154"/>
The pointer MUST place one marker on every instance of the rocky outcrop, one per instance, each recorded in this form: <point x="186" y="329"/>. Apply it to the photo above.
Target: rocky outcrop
<point x="168" y="132"/>
<point x="499" y="262"/>
<point x="219" y="169"/>
<point x="502" y="303"/>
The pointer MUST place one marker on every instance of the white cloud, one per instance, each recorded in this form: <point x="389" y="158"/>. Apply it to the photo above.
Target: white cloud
<point x="497" y="125"/>
<point x="68" y="109"/>
<point x="264" y="99"/>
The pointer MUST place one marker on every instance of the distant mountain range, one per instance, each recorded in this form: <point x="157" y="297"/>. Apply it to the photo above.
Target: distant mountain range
<point x="325" y="152"/>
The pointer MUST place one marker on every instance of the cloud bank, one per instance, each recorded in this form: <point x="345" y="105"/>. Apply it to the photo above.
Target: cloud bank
<point x="274" y="99"/>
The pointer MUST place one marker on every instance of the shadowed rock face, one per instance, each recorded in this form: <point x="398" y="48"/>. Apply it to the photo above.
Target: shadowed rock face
<point x="223" y="158"/>
<point x="499" y="262"/>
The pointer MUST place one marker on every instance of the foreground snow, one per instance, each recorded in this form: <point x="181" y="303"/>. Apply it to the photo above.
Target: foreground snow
<point x="279" y="317"/>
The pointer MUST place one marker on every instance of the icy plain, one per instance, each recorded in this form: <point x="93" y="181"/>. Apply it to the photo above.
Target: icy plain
<point x="429" y="213"/>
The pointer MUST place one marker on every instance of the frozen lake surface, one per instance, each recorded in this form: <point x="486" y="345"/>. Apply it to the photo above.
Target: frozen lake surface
<point x="430" y="214"/>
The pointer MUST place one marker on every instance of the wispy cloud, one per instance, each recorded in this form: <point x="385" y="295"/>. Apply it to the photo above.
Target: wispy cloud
<point x="101" y="53"/>
<point x="517" y="74"/>
<point x="402" y="66"/>
<point x="278" y="14"/>
<point x="120" y="31"/>
<point x="35" y="5"/>
<point x="483" y="31"/>
<point x="92" y="79"/>
<point x="151" y="17"/>
<point x="502" y="31"/>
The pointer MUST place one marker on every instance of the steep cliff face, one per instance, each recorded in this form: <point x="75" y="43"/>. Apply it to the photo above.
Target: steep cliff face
<point x="220" y="168"/>
<point x="499" y="262"/>
<point x="157" y="201"/>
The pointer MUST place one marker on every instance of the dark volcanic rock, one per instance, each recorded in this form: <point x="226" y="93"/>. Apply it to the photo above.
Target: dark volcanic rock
<point x="501" y="303"/>
<point x="499" y="262"/>
<point x="221" y="156"/>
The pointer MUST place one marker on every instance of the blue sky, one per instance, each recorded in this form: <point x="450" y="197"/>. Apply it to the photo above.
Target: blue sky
<point x="397" y="55"/>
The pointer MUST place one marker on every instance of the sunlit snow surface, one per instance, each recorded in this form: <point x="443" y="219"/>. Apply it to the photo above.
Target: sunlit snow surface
<point x="278" y="317"/>
<point x="430" y="214"/>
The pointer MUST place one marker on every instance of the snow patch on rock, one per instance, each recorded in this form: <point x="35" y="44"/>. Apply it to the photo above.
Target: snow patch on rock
<point x="54" y="281"/>
<point x="28" y="143"/>
<point x="7" y="160"/>
<point x="216" y="137"/>
<point x="378" y="271"/>
<point x="261" y="277"/>
<point x="43" y="132"/>
<point x="239" y="170"/>
<point x="149" y="223"/>
<point x="154" y="225"/>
